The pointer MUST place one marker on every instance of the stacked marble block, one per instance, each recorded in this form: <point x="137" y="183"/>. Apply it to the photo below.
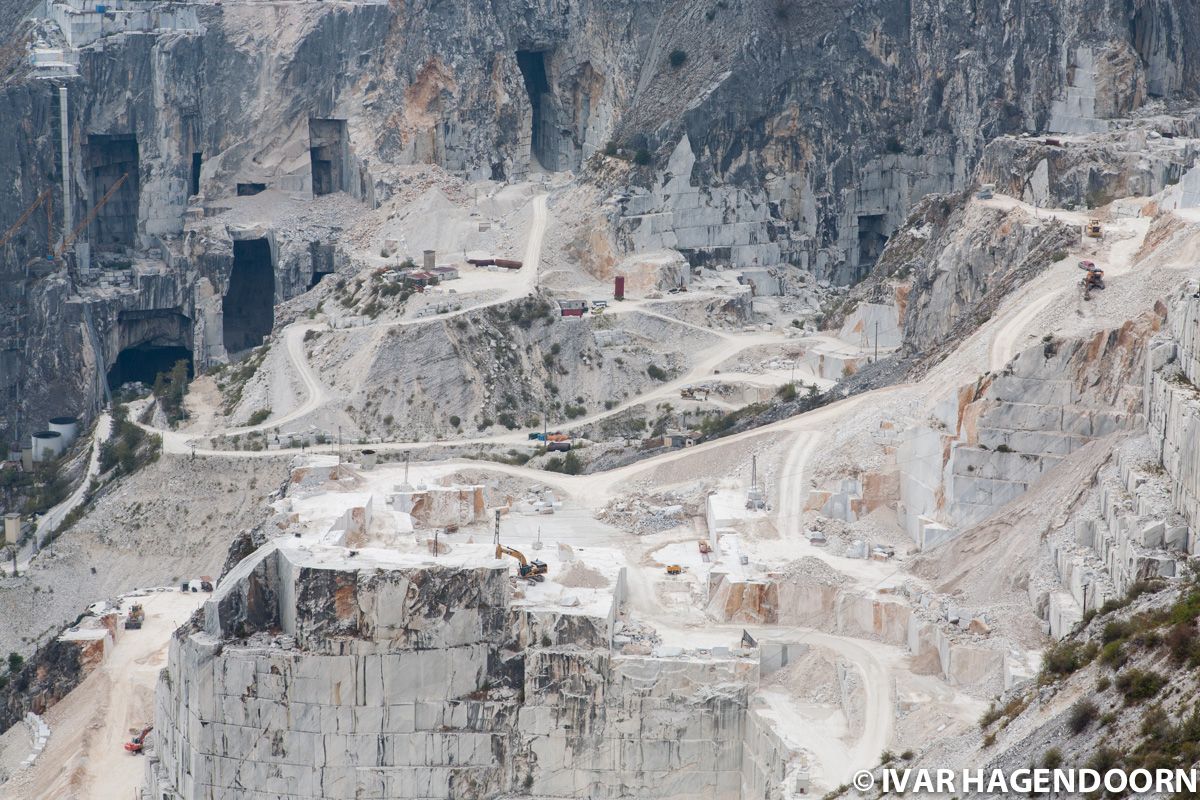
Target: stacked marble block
<point x="1173" y="408"/>
<point x="601" y="726"/>
<point x="991" y="441"/>
<point x="319" y="680"/>
<point x="319" y="672"/>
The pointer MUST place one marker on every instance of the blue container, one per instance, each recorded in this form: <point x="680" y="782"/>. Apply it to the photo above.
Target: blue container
<point x="101" y="9"/>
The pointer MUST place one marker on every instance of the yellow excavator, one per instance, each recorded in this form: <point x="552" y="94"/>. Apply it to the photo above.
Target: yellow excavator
<point x="529" y="570"/>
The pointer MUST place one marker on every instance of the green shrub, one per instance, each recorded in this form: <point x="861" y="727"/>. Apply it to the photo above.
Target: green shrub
<point x="260" y="416"/>
<point x="1065" y="657"/>
<point x="642" y="157"/>
<point x="1082" y="714"/>
<point x="677" y="58"/>
<point x="1138" y="685"/>
<point x="656" y="372"/>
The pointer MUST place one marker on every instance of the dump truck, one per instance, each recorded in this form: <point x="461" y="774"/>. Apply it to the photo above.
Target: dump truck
<point x="531" y="571"/>
<point x="674" y="569"/>
<point x="137" y="615"/>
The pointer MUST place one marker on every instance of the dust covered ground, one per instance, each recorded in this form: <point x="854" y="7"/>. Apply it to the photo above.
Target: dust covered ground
<point x="170" y="521"/>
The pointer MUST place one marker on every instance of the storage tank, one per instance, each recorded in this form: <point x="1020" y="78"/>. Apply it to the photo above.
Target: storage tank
<point x="47" y="446"/>
<point x="68" y="427"/>
<point x="430" y="259"/>
<point x="12" y="527"/>
<point x="368" y="460"/>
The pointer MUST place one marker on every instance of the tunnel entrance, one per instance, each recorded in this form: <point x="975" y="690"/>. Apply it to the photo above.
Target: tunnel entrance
<point x="322" y="262"/>
<point x="150" y="342"/>
<point x="872" y="237"/>
<point x="542" y="141"/>
<point x="144" y="362"/>
<point x="110" y="157"/>
<point x="197" y="163"/>
<point x="249" y="304"/>
<point x="250" y="189"/>
<point x="329" y="148"/>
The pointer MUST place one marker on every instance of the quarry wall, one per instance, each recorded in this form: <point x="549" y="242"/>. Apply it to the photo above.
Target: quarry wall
<point x="309" y="674"/>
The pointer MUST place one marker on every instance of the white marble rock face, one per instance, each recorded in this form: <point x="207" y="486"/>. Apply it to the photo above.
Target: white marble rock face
<point x="319" y="680"/>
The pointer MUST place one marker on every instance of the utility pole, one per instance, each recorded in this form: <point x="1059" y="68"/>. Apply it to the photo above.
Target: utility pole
<point x="496" y="536"/>
<point x="876" y="340"/>
<point x="406" y="468"/>
<point x="339" y="444"/>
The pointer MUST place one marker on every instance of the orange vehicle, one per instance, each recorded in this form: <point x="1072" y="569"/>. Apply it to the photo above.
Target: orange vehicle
<point x="138" y="742"/>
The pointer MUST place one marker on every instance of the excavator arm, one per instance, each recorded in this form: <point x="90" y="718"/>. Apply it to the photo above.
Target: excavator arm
<point x="502" y="551"/>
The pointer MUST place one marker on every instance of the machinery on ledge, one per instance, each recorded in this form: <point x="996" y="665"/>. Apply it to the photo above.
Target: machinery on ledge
<point x="137" y="615"/>
<point x="138" y="743"/>
<point x="532" y="571"/>
<point x="1094" y="279"/>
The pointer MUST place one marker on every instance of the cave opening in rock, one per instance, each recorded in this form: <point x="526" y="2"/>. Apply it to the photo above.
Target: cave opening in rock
<point x="542" y="145"/>
<point x="250" y="189"/>
<point x="110" y="157"/>
<point x="144" y="362"/>
<point x="322" y="262"/>
<point x="150" y="342"/>
<point x="249" y="304"/>
<point x="329" y="147"/>
<point x="197" y="163"/>
<point x="872" y="236"/>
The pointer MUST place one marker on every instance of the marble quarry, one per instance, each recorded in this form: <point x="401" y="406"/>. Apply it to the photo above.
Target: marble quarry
<point x="336" y="662"/>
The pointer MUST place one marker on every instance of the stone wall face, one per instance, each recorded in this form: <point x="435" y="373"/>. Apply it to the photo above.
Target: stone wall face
<point x="1173" y="402"/>
<point x="308" y="676"/>
<point x="996" y="438"/>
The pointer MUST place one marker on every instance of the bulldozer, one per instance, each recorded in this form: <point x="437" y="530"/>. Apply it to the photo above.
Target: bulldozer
<point x="532" y="571"/>
<point x="137" y="615"/>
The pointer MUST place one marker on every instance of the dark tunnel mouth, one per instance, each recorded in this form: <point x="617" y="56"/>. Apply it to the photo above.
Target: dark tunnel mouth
<point x="248" y="308"/>
<point x="109" y="157"/>
<point x="542" y="145"/>
<point x="144" y="362"/>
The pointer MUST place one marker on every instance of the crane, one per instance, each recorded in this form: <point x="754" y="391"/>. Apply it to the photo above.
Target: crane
<point x="530" y="571"/>
<point x="47" y="198"/>
<point x="69" y="240"/>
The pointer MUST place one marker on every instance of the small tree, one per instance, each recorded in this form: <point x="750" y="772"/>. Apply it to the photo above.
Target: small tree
<point x="14" y="662"/>
<point x="642" y="157"/>
<point x="677" y="58"/>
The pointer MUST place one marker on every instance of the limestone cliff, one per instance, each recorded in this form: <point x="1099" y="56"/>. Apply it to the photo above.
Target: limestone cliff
<point x="776" y="131"/>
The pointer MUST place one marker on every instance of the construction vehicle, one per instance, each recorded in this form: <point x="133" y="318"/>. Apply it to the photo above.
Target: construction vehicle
<point x="674" y="569"/>
<point x="137" y="615"/>
<point x="532" y="571"/>
<point x="1093" y="229"/>
<point x="986" y="191"/>
<point x="1094" y="279"/>
<point x="138" y="743"/>
<point x="705" y="547"/>
<point x="693" y="393"/>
